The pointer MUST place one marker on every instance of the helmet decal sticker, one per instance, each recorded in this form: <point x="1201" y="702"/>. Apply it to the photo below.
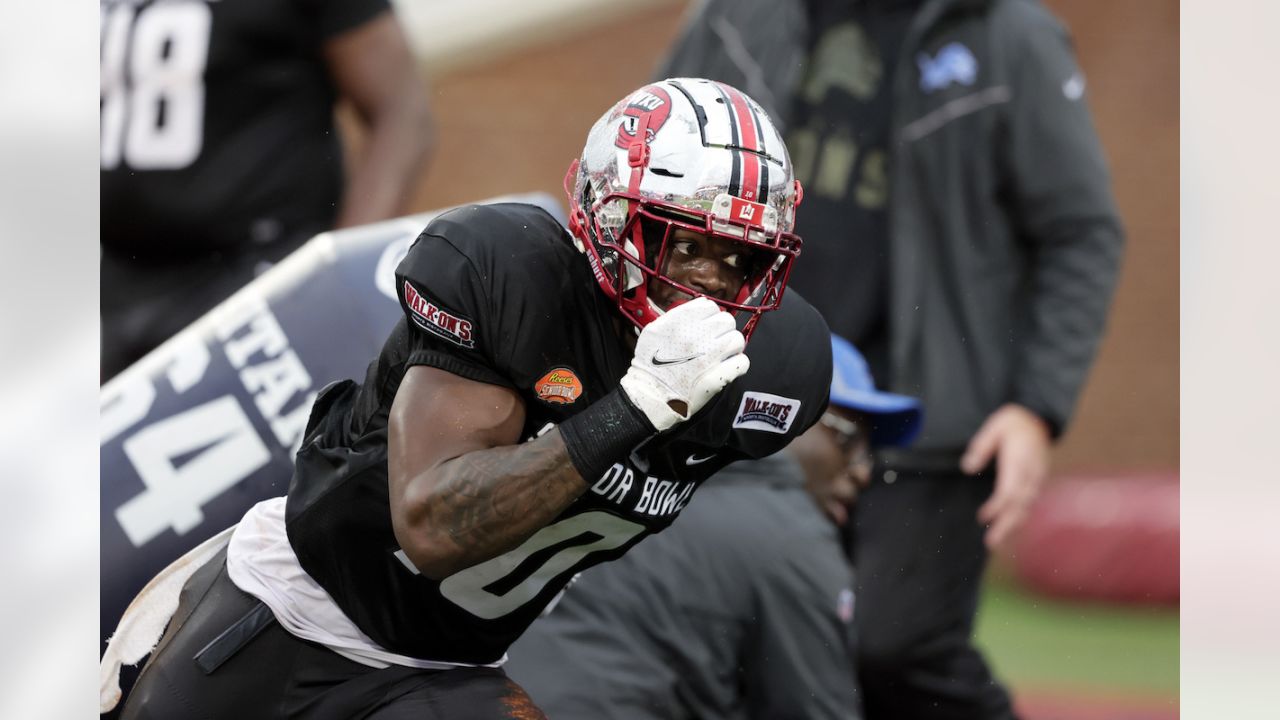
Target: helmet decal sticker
<point x="652" y="101"/>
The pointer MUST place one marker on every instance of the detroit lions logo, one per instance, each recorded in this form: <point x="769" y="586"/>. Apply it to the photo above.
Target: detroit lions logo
<point x="953" y="64"/>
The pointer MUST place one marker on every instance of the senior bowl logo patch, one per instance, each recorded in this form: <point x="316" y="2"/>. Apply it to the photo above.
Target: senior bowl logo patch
<point x="762" y="411"/>
<point x="561" y="386"/>
<point x="430" y="317"/>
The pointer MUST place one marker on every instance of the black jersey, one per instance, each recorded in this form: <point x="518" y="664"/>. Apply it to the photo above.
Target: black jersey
<point x="499" y="294"/>
<point x="217" y="121"/>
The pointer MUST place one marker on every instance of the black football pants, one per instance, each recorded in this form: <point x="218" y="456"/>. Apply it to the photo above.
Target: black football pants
<point x="224" y="656"/>
<point x="918" y="551"/>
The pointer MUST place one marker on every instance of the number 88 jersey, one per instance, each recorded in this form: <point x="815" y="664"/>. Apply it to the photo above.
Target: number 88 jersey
<point x="498" y="294"/>
<point x="217" y="121"/>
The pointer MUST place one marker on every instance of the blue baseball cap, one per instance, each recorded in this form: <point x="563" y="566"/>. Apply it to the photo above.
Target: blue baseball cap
<point x="895" y="419"/>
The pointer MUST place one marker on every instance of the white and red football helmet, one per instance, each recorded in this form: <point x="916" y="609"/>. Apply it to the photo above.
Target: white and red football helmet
<point x="684" y="153"/>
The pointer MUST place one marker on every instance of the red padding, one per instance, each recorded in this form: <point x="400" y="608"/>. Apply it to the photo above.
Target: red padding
<point x="1112" y="538"/>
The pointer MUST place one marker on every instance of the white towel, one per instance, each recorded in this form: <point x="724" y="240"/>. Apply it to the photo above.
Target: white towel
<point x="144" y="621"/>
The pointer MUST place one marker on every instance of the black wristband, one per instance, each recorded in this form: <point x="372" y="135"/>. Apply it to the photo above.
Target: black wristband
<point x="604" y="433"/>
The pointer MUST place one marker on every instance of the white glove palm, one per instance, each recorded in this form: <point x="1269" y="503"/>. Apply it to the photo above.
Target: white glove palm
<point x="682" y="360"/>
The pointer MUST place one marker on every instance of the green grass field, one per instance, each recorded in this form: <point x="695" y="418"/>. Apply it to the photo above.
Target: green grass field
<point x="1040" y="645"/>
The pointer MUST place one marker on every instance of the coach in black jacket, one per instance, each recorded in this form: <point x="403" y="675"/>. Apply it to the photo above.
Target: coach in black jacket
<point x="969" y="244"/>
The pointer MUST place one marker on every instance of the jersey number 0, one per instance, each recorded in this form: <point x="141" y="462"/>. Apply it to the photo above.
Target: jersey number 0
<point x="499" y="586"/>
<point x="153" y="63"/>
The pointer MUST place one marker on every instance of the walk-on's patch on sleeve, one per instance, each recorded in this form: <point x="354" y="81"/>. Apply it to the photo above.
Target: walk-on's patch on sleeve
<point x="762" y="411"/>
<point x="427" y="315"/>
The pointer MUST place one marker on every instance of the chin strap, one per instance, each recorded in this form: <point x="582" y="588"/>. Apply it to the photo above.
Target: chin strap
<point x="638" y="154"/>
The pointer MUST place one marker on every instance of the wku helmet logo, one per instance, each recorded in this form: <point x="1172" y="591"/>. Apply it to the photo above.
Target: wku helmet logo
<point x="652" y="101"/>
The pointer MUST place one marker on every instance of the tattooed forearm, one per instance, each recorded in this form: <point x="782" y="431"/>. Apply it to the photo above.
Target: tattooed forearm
<point x="487" y="502"/>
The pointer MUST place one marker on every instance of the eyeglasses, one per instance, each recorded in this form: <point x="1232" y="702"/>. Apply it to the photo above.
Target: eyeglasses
<point x="852" y="438"/>
<point x="847" y="431"/>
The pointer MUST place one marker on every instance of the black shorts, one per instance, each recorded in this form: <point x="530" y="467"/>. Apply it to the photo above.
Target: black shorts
<point x="225" y="656"/>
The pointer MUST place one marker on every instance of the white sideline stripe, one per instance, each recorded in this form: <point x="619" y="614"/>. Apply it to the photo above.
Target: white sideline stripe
<point x="447" y="35"/>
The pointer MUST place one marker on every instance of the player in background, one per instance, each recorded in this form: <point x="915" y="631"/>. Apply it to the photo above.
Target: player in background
<point x="219" y="150"/>
<point x="744" y="608"/>
<point x="548" y="400"/>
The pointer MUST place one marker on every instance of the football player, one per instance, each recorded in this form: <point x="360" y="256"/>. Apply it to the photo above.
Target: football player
<point x="548" y="400"/>
<point x="220" y="150"/>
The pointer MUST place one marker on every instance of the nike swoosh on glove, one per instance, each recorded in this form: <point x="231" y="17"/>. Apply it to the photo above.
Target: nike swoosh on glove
<point x="682" y="360"/>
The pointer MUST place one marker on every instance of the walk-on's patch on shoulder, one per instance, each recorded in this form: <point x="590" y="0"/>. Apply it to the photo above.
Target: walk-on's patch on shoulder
<point x="437" y="321"/>
<point x="762" y="411"/>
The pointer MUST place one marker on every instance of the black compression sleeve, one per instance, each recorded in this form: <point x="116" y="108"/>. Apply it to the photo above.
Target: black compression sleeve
<point x="604" y="433"/>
